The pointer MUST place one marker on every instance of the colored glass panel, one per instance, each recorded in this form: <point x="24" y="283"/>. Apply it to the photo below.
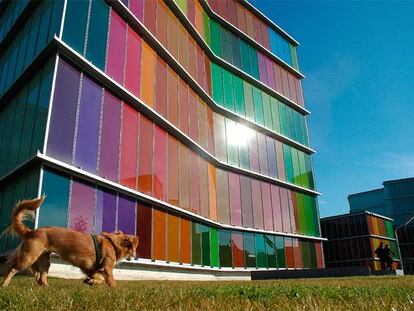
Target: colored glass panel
<point x="126" y="215"/>
<point x="173" y="237"/>
<point x="237" y="249"/>
<point x="144" y="229"/>
<point x="235" y="203"/>
<point x="160" y="164"/>
<point x="116" y="48"/>
<point x="159" y="234"/>
<point x="148" y="66"/>
<point x="133" y="62"/>
<point x="81" y="209"/>
<point x="145" y="166"/>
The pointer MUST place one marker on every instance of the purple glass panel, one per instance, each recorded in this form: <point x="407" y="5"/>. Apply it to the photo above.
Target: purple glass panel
<point x="235" y="203"/>
<point x="111" y="123"/>
<point x="270" y="74"/>
<point x="267" y="206"/>
<point x="62" y="123"/>
<point x="81" y="207"/>
<point x="126" y="215"/>
<point x="106" y="210"/>
<point x="88" y="126"/>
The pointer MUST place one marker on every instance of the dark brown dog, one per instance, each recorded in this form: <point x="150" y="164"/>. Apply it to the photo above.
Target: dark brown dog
<point x="75" y="247"/>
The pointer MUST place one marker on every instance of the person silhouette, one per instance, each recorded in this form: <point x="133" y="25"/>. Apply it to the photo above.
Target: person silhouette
<point x="388" y="253"/>
<point x="380" y="254"/>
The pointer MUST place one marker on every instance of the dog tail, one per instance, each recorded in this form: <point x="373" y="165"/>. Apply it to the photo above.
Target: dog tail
<point x="18" y="215"/>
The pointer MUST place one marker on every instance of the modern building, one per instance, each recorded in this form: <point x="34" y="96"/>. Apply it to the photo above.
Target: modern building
<point x="354" y="237"/>
<point x="395" y="200"/>
<point x="180" y="121"/>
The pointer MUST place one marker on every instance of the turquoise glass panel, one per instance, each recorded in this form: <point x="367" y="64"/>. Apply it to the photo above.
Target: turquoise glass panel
<point x="267" y="113"/>
<point x="275" y="115"/>
<point x="254" y="63"/>
<point x="245" y="59"/>
<point x="271" y="251"/>
<point x="239" y="95"/>
<point x="261" y="251"/>
<point x="281" y="259"/>
<point x="228" y="90"/>
<point x="217" y="84"/>
<point x="248" y="95"/>
<point x="215" y="38"/>
<point x="288" y="164"/>
<point x="74" y="29"/>
<point x="54" y="209"/>
<point x="249" y="250"/>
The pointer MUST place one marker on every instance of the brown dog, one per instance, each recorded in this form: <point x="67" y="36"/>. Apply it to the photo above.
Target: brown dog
<point x="78" y="248"/>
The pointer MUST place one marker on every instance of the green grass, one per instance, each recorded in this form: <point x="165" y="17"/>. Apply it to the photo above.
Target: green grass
<point x="358" y="293"/>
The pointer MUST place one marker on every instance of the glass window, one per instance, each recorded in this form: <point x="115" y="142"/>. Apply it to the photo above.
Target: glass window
<point x="237" y="249"/>
<point x="258" y="106"/>
<point x="194" y="183"/>
<point x="235" y="204"/>
<point x="160" y="164"/>
<point x="184" y="177"/>
<point x="173" y="237"/>
<point x="183" y="106"/>
<point x="257" y="204"/>
<point x="133" y="62"/>
<point x="271" y="156"/>
<point x="159" y="234"/>
<point x="126" y="215"/>
<point x="225" y="245"/>
<point x="196" y="243"/>
<point x="261" y="139"/>
<point x="220" y="137"/>
<point x="204" y="199"/>
<point x="145" y="156"/>
<point x="261" y="255"/>
<point x="129" y="144"/>
<point x="81" y="209"/>
<point x="116" y="48"/>
<point x="111" y="123"/>
<point x="193" y="107"/>
<point x="284" y="203"/>
<point x="185" y="240"/>
<point x="212" y="191"/>
<point x="249" y="250"/>
<point x="277" y="213"/>
<point x="232" y="135"/>
<point x="267" y="206"/>
<point x="75" y="24"/>
<point x="290" y="262"/>
<point x="205" y="240"/>
<point x="246" y="200"/>
<point x="271" y="251"/>
<point x="172" y="170"/>
<point x="148" y="66"/>
<point x="105" y="213"/>
<point x="223" y="197"/>
<point x="86" y="154"/>
<point x="214" y="246"/>
<point x="217" y="84"/>
<point x="144" y="229"/>
<point x="54" y="210"/>
<point x="172" y="97"/>
<point x="228" y="90"/>
<point x="97" y="33"/>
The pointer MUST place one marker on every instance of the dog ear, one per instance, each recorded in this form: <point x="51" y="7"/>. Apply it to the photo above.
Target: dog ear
<point x="128" y="242"/>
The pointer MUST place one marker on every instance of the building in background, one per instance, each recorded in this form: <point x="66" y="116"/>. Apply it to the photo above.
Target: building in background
<point x="182" y="122"/>
<point x="394" y="200"/>
<point x="353" y="239"/>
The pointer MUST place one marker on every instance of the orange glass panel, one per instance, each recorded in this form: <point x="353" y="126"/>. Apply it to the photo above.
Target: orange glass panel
<point x="172" y="34"/>
<point x="172" y="97"/>
<point x="210" y="130"/>
<point x="192" y="57"/>
<point x="241" y="18"/>
<point x="182" y="46"/>
<point x="148" y="69"/>
<point x="162" y="22"/>
<point x="159" y="234"/>
<point x="212" y="191"/>
<point x="237" y="249"/>
<point x="290" y="263"/>
<point x="208" y="74"/>
<point x="249" y="24"/>
<point x="298" y="254"/>
<point x="185" y="240"/>
<point x="199" y="17"/>
<point x="319" y="255"/>
<point x="173" y="237"/>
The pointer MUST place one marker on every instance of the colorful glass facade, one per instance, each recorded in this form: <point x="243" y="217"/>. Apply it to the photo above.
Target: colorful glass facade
<point x="132" y="116"/>
<point x="353" y="239"/>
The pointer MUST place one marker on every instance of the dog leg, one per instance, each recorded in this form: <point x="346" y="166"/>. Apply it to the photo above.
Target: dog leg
<point x="42" y="266"/>
<point x="109" y="277"/>
<point x="9" y="276"/>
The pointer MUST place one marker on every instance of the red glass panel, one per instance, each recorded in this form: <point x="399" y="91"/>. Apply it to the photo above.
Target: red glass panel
<point x="172" y="170"/>
<point x="150" y="9"/>
<point x="144" y="223"/>
<point x="172" y="34"/>
<point x="278" y="78"/>
<point x="270" y="74"/>
<point x="257" y="204"/>
<point x="200" y="68"/>
<point x="183" y="106"/>
<point x="319" y="255"/>
<point x="184" y="177"/>
<point x="161" y="87"/>
<point x="232" y="12"/>
<point x="192" y="57"/>
<point x="202" y="123"/>
<point x="160" y="164"/>
<point x="297" y="254"/>
<point x="116" y="48"/>
<point x="292" y="89"/>
<point x="290" y="262"/>
<point x="222" y="9"/>
<point x="277" y="213"/>
<point x="133" y="62"/>
<point x="137" y="8"/>
<point x="129" y="144"/>
<point x="182" y="46"/>
<point x="294" y="212"/>
<point x="172" y="97"/>
<point x="237" y="249"/>
<point x="146" y="134"/>
<point x="241" y="18"/>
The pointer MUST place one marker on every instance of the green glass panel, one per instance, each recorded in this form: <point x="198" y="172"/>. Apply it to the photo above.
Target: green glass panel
<point x="254" y="63"/>
<point x="298" y="127"/>
<point x="42" y="108"/>
<point x="274" y="106"/>
<point x="226" y="45"/>
<point x="235" y="50"/>
<point x="291" y="124"/>
<point x="249" y="250"/>
<point x="214" y="247"/>
<point x="267" y="113"/>
<point x="288" y="163"/>
<point x="271" y="251"/>
<point x="294" y="57"/>
<point x="258" y="106"/>
<point x="248" y="96"/>
<point x="97" y="33"/>
<point x="305" y="254"/>
<point x="244" y="155"/>
<point x="302" y="169"/>
<point x="245" y="60"/>
<point x="304" y="131"/>
<point x="239" y="95"/>
<point x="231" y="143"/>
<point x="315" y="216"/>
<point x="205" y="238"/>
<point x="281" y="260"/>
<point x="196" y="243"/>
<point x="215" y="38"/>
<point x="183" y="5"/>
<point x="54" y="210"/>
<point x="74" y="29"/>
<point x="296" y="172"/>
<point x="228" y="90"/>
<point x="225" y="248"/>
<point x="301" y="213"/>
<point x="389" y="229"/>
<point x="217" y="84"/>
<point x="309" y="171"/>
<point x="312" y="255"/>
<point x="261" y="251"/>
<point x="206" y="26"/>
<point x="283" y="119"/>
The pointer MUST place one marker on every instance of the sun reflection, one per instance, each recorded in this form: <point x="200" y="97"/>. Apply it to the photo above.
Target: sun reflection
<point x="238" y="134"/>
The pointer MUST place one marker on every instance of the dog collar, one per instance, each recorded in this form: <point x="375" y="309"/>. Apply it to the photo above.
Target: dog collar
<point x="97" y="250"/>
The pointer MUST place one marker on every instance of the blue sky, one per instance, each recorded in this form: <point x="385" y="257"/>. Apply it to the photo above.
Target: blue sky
<point x="358" y="59"/>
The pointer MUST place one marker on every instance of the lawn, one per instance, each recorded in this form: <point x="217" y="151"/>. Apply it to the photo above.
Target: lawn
<point x="358" y="293"/>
